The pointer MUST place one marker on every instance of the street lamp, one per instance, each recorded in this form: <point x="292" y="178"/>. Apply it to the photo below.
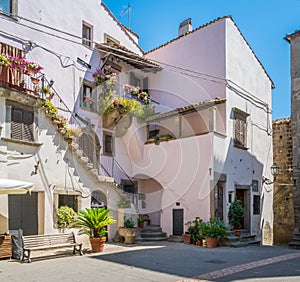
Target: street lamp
<point x="274" y="169"/>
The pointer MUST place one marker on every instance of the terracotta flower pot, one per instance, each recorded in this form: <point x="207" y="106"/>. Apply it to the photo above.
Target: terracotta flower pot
<point x="199" y="242"/>
<point x="97" y="244"/>
<point x="34" y="80"/>
<point x="237" y="232"/>
<point x="211" y="242"/>
<point x="186" y="238"/>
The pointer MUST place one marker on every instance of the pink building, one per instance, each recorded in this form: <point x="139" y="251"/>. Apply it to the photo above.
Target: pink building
<point x="214" y="109"/>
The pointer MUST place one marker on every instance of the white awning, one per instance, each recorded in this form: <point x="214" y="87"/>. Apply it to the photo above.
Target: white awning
<point x="11" y="186"/>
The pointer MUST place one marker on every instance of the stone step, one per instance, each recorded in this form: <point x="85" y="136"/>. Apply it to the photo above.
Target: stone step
<point x="152" y="234"/>
<point x="296" y="236"/>
<point x="294" y="245"/>
<point x="155" y="239"/>
<point x="243" y="244"/>
<point x="175" y="239"/>
<point x="151" y="228"/>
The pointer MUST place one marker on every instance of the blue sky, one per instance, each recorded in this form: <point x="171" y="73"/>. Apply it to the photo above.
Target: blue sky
<point x="264" y="23"/>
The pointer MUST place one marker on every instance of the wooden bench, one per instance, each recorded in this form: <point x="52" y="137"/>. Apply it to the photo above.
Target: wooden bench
<point x="46" y="242"/>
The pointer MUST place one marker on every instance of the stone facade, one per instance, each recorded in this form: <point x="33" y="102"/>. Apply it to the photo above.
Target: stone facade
<point x="294" y="40"/>
<point x="283" y="187"/>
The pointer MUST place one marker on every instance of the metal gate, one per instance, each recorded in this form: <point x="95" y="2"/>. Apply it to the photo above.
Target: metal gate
<point x="22" y="213"/>
<point x="178" y="222"/>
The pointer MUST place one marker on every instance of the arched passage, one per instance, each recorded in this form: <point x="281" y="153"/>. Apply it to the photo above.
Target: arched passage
<point x="98" y="199"/>
<point x="150" y="199"/>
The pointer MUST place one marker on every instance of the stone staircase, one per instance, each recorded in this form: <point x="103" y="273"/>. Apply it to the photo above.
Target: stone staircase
<point x="151" y="233"/>
<point x="79" y="154"/>
<point x="295" y="244"/>
<point x="246" y="239"/>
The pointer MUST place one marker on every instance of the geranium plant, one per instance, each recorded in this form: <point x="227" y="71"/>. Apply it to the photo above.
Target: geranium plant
<point x="105" y="74"/>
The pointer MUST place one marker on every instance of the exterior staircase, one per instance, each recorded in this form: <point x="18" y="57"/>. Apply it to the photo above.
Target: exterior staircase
<point x="295" y="244"/>
<point x="246" y="239"/>
<point x="151" y="233"/>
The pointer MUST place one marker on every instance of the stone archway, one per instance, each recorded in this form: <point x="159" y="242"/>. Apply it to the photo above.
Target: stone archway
<point x="98" y="199"/>
<point x="150" y="194"/>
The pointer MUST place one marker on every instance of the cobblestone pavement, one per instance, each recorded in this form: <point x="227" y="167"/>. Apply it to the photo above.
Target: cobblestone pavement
<point x="164" y="261"/>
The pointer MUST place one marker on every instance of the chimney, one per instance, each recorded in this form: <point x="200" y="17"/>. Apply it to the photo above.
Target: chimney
<point x="185" y="26"/>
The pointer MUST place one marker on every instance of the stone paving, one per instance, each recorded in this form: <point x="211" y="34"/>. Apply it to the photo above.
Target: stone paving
<point x="162" y="261"/>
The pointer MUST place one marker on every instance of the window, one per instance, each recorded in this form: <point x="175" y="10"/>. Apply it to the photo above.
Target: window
<point x="240" y="128"/>
<point x="256" y="204"/>
<point x="110" y="40"/>
<point x="87" y="32"/>
<point x="8" y="7"/>
<point x="87" y="97"/>
<point x="254" y="185"/>
<point x="69" y="201"/>
<point x="108" y="143"/>
<point x="22" y="121"/>
<point x="141" y="82"/>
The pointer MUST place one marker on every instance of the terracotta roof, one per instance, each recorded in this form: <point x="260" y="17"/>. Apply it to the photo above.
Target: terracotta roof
<point x="282" y="120"/>
<point x="288" y="37"/>
<point x="125" y="29"/>
<point x="208" y="24"/>
<point x="128" y="56"/>
<point x="189" y="108"/>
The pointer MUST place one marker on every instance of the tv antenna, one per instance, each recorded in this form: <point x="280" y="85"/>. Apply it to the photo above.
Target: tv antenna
<point x="126" y="10"/>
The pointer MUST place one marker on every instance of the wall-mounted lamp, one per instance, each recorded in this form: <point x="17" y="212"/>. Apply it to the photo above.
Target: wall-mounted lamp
<point x="274" y="169"/>
<point x="51" y="83"/>
<point x="36" y="167"/>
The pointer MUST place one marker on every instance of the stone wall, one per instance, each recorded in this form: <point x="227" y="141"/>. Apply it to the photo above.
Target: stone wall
<point x="283" y="187"/>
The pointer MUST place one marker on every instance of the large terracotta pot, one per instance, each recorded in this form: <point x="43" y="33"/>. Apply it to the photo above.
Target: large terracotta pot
<point x="97" y="244"/>
<point x="129" y="234"/>
<point x="211" y="242"/>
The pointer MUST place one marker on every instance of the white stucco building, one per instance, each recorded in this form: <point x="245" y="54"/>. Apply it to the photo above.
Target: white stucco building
<point x="70" y="46"/>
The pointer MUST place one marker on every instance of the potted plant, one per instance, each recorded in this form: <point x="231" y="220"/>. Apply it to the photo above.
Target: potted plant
<point x="212" y="230"/>
<point x="66" y="216"/>
<point x="94" y="221"/>
<point x="141" y="221"/>
<point x="129" y="232"/>
<point x="194" y="230"/>
<point x="235" y="216"/>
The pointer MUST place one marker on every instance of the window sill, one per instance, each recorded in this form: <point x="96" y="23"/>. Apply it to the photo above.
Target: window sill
<point x="9" y="16"/>
<point x="21" y="142"/>
<point x="240" y="147"/>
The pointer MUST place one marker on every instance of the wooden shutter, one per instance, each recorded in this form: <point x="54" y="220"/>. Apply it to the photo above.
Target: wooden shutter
<point x="27" y="125"/>
<point x="16" y="123"/>
<point x="22" y="124"/>
<point x="240" y="130"/>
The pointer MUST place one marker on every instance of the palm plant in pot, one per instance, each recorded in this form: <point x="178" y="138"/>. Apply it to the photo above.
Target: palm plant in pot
<point x="93" y="222"/>
<point x="235" y="216"/>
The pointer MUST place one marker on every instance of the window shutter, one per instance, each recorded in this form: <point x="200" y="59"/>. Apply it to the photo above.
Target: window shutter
<point x="145" y="84"/>
<point x="27" y="125"/>
<point x="22" y="124"/>
<point x="16" y="123"/>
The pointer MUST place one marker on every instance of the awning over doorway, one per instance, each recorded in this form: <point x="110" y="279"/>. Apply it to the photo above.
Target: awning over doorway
<point x="11" y="186"/>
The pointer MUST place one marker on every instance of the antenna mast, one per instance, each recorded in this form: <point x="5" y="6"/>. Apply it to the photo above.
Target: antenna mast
<point x="126" y="10"/>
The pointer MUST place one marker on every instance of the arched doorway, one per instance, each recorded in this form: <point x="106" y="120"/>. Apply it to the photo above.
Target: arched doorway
<point x="90" y="145"/>
<point x="98" y="199"/>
